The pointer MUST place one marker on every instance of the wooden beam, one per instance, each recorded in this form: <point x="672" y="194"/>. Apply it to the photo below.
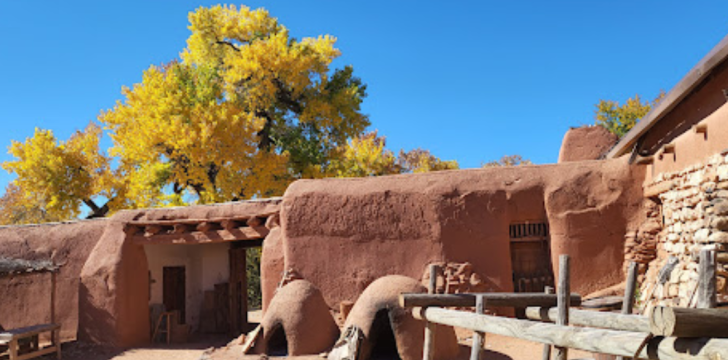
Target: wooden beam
<point x="255" y="221"/>
<point x="685" y="322"/>
<point x="198" y="237"/>
<point x="153" y="229"/>
<point x="518" y="300"/>
<point x="596" y="319"/>
<point x="182" y="228"/>
<point x="230" y="224"/>
<point x="546" y="354"/>
<point x="620" y="343"/>
<point x="207" y="226"/>
<point x="242" y="219"/>
<point x="630" y="288"/>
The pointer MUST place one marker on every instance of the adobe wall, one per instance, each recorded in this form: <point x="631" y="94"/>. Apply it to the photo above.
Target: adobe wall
<point x="26" y="299"/>
<point x="586" y="143"/>
<point x="342" y="234"/>
<point x="114" y="306"/>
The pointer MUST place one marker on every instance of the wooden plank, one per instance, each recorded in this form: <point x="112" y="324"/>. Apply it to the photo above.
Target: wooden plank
<point x="707" y="290"/>
<point x="684" y="322"/>
<point x="563" y="303"/>
<point x="428" y="352"/>
<point x="596" y="319"/>
<point x="522" y="300"/>
<point x="620" y="343"/>
<point x="630" y="288"/>
<point x="242" y="219"/>
<point x="476" y="351"/>
<point x="198" y="237"/>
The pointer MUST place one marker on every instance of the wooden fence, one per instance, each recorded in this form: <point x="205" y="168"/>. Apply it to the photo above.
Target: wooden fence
<point x="669" y="333"/>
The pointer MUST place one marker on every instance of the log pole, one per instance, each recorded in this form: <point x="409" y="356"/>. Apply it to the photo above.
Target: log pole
<point x="595" y="319"/>
<point x="476" y="352"/>
<point x="707" y="292"/>
<point x="686" y="322"/>
<point x="428" y="352"/>
<point x="620" y="343"/>
<point x="563" y="303"/>
<point x="517" y="300"/>
<point x="629" y="289"/>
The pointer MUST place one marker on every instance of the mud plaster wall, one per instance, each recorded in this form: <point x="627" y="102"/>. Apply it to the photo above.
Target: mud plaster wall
<point x="342" y="234"/>
<point x="586" y="143"/>
<point x="205" y="265"/>
<point x="26" y="299"/>
<point x="114" y="302"/>
<point x="693" y="216"/>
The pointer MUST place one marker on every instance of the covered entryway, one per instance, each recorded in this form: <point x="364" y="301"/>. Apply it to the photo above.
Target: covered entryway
<point x="197" y="273"/>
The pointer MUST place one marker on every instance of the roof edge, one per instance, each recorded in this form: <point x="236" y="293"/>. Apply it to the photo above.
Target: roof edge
<point x="689" y="82"/>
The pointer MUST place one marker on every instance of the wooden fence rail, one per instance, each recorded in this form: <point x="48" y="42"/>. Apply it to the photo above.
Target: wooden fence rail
<point x="620" y="343"/>
<point x="518" y="300"/>
<point x="596" y="319"/>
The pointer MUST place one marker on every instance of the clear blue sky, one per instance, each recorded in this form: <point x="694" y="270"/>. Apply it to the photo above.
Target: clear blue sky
<point x="469" y="80"/>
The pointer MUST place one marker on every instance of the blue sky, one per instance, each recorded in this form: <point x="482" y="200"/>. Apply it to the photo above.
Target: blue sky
<point x="469" y="80"/>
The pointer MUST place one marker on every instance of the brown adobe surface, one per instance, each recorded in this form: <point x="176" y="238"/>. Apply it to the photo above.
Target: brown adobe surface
<point x="586" y="143"/>
<point x="25" y="299"/>
<point x="342" y="234"/>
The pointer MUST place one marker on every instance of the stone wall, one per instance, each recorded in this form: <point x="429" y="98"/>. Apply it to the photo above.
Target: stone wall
<point x="693" y="216"/>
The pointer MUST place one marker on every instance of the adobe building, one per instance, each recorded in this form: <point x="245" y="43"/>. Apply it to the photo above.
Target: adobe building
<point x="339" y="250"/>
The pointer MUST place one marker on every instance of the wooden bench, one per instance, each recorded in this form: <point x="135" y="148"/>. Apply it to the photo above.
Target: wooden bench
<point x="13" y="338"/>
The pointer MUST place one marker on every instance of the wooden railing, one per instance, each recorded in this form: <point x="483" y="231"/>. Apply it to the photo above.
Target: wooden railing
<point x="669" y="334"/>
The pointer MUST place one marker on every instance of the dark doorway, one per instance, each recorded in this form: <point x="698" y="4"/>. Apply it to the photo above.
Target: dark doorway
<point x="278" y="343"/>
<point x="381" y="338"/>
<point x="173" y="290"/>
<point x="238" y="290"/>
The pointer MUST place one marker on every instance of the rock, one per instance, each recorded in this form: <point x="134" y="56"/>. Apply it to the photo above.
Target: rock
<point x="719" y="237"/>
<point x="723" y="185"/>
<point x="723" y="172"/>
<point x="702" y="235"/>
<point x="719" y="223"/>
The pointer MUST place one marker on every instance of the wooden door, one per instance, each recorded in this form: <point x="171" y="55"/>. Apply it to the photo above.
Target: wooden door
<point x="238" y="291"/>
<point x="531" y="261"/>
<point x="173" y="290"/>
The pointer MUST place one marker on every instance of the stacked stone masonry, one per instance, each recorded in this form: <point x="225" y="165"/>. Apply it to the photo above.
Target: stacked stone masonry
<point x="690" y="215"/>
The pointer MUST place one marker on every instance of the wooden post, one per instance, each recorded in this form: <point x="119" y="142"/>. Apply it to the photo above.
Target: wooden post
<point x="13" y="349"/>
<point x="476" y="352"/>
<point x="563" y="305"/>
<point x="629" y="289"/>
<point x="546" y="347"/>
<point x="428" y="352"/>
<point x="707" y="293"/>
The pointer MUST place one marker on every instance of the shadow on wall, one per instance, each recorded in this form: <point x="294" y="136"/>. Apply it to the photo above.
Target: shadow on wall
<point x="92" y="320"/>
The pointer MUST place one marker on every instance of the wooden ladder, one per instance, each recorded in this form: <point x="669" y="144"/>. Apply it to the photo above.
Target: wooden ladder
<point x="164" y="326"/>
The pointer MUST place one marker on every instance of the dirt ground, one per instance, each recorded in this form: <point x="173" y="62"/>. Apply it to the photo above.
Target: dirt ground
<point x="497" y="348"/>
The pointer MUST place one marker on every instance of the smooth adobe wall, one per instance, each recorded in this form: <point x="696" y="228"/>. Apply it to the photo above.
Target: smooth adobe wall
<point x="25" y="300"/>
<point x="342" y="234"/>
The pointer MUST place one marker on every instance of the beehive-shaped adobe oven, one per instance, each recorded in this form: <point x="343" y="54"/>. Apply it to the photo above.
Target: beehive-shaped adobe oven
<point x="389" y="331"/>
<point x="297" y="322"/>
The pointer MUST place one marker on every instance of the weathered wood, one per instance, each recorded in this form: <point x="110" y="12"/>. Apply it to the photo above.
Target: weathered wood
<point x="429" y="351"/>
<point x="563" y="303"/>
<point x="629" y="290"/>
<point x="596" y="319"/>
<point x="242" y="219"/>
<point x="476" y="351"/>
<point x="707" y="290"/>
<point x="182" y="228"/>
<point x="546" y="355"/>
<point x="199" y="237"/>
<point x="206" y="226"/>
<point x="684" y="322"/>
<point x="620" y="343"/>
<point x="153" y="229"/>
<point x="255" y="221"/>
<point x="27" y="331"/>
<point x="230" y="224"/>
<point x="517" y="300"/>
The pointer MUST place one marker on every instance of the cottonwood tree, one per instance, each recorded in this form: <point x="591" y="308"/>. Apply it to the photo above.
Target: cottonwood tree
<point x="246" y="110"/>
<point x="508" y="160"/>
<point x="620" y="118"/>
